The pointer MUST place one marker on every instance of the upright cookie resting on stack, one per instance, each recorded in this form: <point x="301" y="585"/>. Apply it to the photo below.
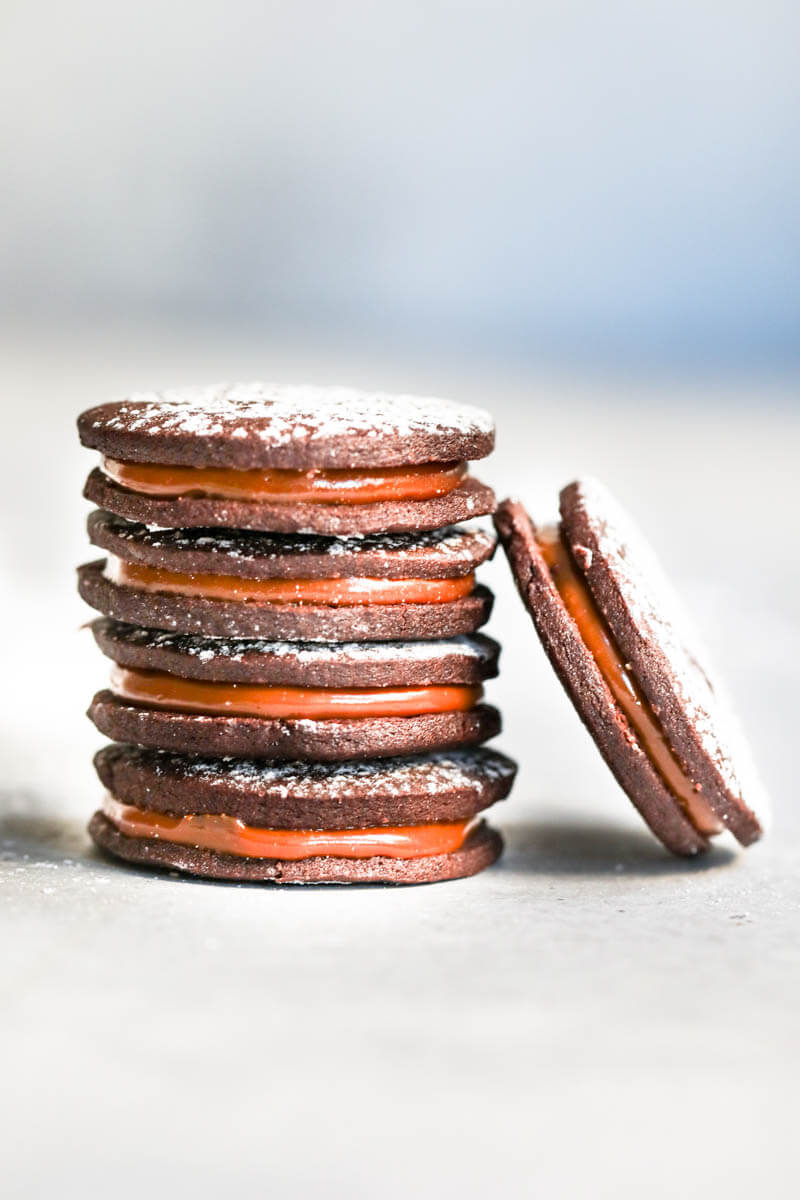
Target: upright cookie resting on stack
<point x="291" y="608"/>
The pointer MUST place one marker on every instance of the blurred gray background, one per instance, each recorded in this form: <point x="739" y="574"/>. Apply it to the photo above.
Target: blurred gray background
<point x="613" y="183"/>
<point x="584" y="217"/>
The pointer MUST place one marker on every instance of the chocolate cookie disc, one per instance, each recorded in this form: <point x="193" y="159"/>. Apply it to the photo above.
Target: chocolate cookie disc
<point x="459" y="660"/>
<point x="446" y="786"/>
<point x="252" y="425"/>
<point x="435" y="554"/>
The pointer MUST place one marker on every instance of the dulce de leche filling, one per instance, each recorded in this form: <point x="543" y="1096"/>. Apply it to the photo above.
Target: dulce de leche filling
<point x="229" y="835"/>
<point x="599" y="640"/>
<point x="155" y="689"/>
<point x="352" y="590"/>
<point x="367" y="485"/>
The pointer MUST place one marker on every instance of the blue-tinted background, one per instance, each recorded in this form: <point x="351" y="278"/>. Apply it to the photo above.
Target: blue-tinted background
<point x="568" y="181"/>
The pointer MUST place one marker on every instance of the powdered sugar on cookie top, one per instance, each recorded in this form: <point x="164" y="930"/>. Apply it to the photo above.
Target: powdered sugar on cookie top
<point x="437" y="773"/>
<point x="206" y="649"/>
<point x="249" y="426"/>
<point x="664" y="629"/>
<point x="280" y="414"/>
<point x="451" y="541"/>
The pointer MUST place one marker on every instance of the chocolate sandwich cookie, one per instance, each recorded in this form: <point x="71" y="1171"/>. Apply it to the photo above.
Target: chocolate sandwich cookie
<point x="623" y="649"/>
<point x="289" y="587"/>
<point x="449" y="786"/>
<point x="408" y="820"/>
<point x="323" y="701"/>
<point x="257" y="456"/>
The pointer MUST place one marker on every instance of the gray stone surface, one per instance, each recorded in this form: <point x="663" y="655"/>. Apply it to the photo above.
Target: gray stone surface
<point x="589" y="1018"/>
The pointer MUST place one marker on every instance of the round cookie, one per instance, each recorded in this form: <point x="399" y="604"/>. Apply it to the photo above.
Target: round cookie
<point x="470" y="499"/>
<point x="586" y="687"/>
<point x="282" y="622"/>
<point x="436" y="554"/>
<point x="252" y="425"/>
<point x="329" y="740"/>
<point x="480" y="850"/>
<point x="459" y="660"/>
<point x="447" y="786"/>
<point x="654" y="634"/>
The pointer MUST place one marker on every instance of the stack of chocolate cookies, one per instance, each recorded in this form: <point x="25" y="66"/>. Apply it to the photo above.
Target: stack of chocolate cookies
<point x="290" y="605"/>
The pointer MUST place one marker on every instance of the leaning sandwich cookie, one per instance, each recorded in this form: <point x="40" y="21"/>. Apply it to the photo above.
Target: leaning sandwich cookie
<point x="627" y="657"/>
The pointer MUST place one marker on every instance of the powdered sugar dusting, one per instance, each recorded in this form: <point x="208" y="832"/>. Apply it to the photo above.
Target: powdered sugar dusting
<point x="280" y="414"/>
<point x="453" y="541"/>
<point x="663" y="624"/>
<point x="430" y="774"/>
<point x="308" y="653"/>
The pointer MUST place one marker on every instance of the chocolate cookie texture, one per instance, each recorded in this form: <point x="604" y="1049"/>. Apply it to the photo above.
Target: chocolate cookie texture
<point x="458" y="660"/>
<point x="613" y="632"/>
<point x="286" y="621"/>
<point x="655" y="635"/>
<point x="480" y="850"/>
<point x="436" y="554"/>
<point x="252" y="425"/>
<point x="324" y="740"/>
<point x="470" y="499"/>
<point x="445" y="786"/>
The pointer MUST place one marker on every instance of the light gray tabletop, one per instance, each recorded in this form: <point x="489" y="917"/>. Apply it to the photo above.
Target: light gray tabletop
<point x="588" y="1018"/>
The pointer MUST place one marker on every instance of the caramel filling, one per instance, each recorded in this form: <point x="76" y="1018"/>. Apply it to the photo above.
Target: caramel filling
<point x="352" y="590"/>
<point x="368" y="485"/>
<point x="599" y="640"/>
<point x="155" y="689"/>
<point x="228" y="835"/>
